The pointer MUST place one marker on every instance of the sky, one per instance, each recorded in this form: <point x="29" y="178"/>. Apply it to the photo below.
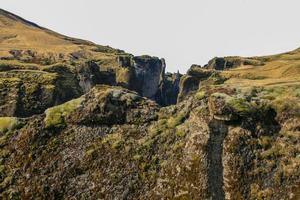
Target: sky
<point x="184" y="32"/>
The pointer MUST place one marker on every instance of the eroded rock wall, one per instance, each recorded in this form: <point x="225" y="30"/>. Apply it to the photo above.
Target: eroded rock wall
<point x="112" y="143"/>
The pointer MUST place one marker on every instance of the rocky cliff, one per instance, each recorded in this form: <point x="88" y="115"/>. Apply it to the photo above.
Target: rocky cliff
<point x="84" y="121"/>
<point x="37" y="76"/>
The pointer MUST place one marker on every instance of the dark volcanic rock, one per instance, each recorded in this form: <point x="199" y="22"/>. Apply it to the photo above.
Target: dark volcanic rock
<point x="149" y="74"/>
<point x="191" y="81"/>
<point x="224" y="63"/>
<point x="28" y="92"/>
<point x="116" y="144"/>
<point x="146" y="75"/>
<point x="106" y="105"/>
<point x="169" y="89"/>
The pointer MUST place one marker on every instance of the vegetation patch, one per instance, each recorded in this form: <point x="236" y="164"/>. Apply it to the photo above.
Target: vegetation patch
<point x="200" y="95"/>
<point x="55" y="116"/>
<point x="177" y="120"/>
<point x="7" y="124"/>
<point x="241" y="106"/>
<point x="115" y="140"/>
<point x="123" y="76"/>
<point x="284" y="99"/>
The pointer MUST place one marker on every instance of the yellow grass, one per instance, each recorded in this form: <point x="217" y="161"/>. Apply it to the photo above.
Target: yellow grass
<point x="17" y="34"/>
<point x="282" y="69"/>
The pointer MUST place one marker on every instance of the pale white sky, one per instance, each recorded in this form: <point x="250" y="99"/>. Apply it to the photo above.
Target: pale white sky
<point x="183" y="32"/>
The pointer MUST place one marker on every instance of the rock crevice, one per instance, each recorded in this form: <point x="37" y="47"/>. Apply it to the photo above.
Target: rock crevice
<point x="218" y="132"/>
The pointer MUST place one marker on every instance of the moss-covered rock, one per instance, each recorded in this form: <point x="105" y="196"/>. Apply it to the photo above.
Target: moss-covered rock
<point x="219" y="108"/>
<point x="24" y="93"/>
<point x="114" y="105"/>
<point x="56" y="116"/>
<point x="7" y="123"/>
<point x="225" y="63"/>
<point x="197" y="78"/>
<point x="112" y="134"/>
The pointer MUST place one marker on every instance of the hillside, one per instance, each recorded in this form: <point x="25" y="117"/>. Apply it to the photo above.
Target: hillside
<point x="19" y="34"/>
<point x="50" y="69"/>
<point x="84" y="121"/>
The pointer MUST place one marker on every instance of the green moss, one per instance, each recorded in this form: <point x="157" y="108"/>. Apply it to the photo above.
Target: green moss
<point x="55" y="116"/>
<point x="284" y="99"/>
<point x="137" y="157"/>
<point x="240" y="106"/>
<point x="90" y="152"/>
<point x="114" y="140"/>
<point x="200" y="95"/>
<point x="177" y="120"/>
<point x="180" y="133"/>
<point x="7" y="123"/>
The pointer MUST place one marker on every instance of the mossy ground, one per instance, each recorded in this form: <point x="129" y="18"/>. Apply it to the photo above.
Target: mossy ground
<point x="55" y="116"/>
<point x="7" y="123"/>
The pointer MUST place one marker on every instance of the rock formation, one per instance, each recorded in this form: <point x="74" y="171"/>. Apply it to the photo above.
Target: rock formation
<point x="37" y="77"/>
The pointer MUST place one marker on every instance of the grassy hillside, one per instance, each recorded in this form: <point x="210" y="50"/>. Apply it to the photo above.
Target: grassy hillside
<point x="281" y="69"/>
<point x="27" y="42"/>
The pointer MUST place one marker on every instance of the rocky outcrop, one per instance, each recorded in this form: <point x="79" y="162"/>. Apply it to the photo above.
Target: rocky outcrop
<point x="191" y="82"/>
<point x="24" y="93"/>
<point x="169" y="89"/>
<point x="149" y="75"/>
<point x="225" y="63"/>
<point x="105" y="105"/>
<point x="113" y="143"/>
<point x="28" y="92"/>
<point x="34" y="77"/>
<point x="88" y="75"/>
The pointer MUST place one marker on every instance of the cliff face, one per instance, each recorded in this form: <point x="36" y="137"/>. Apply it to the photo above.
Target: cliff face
<point x="195" y="78"/>
<point x="84" y="121"/>
<point x="112" y="143"/>
<point x="147" y="76"/>
<point x="38" y="76"/>
<point x="169" y="89"/>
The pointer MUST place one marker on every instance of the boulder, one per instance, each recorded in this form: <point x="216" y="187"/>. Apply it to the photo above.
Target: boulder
<point x="113" y="105"/>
